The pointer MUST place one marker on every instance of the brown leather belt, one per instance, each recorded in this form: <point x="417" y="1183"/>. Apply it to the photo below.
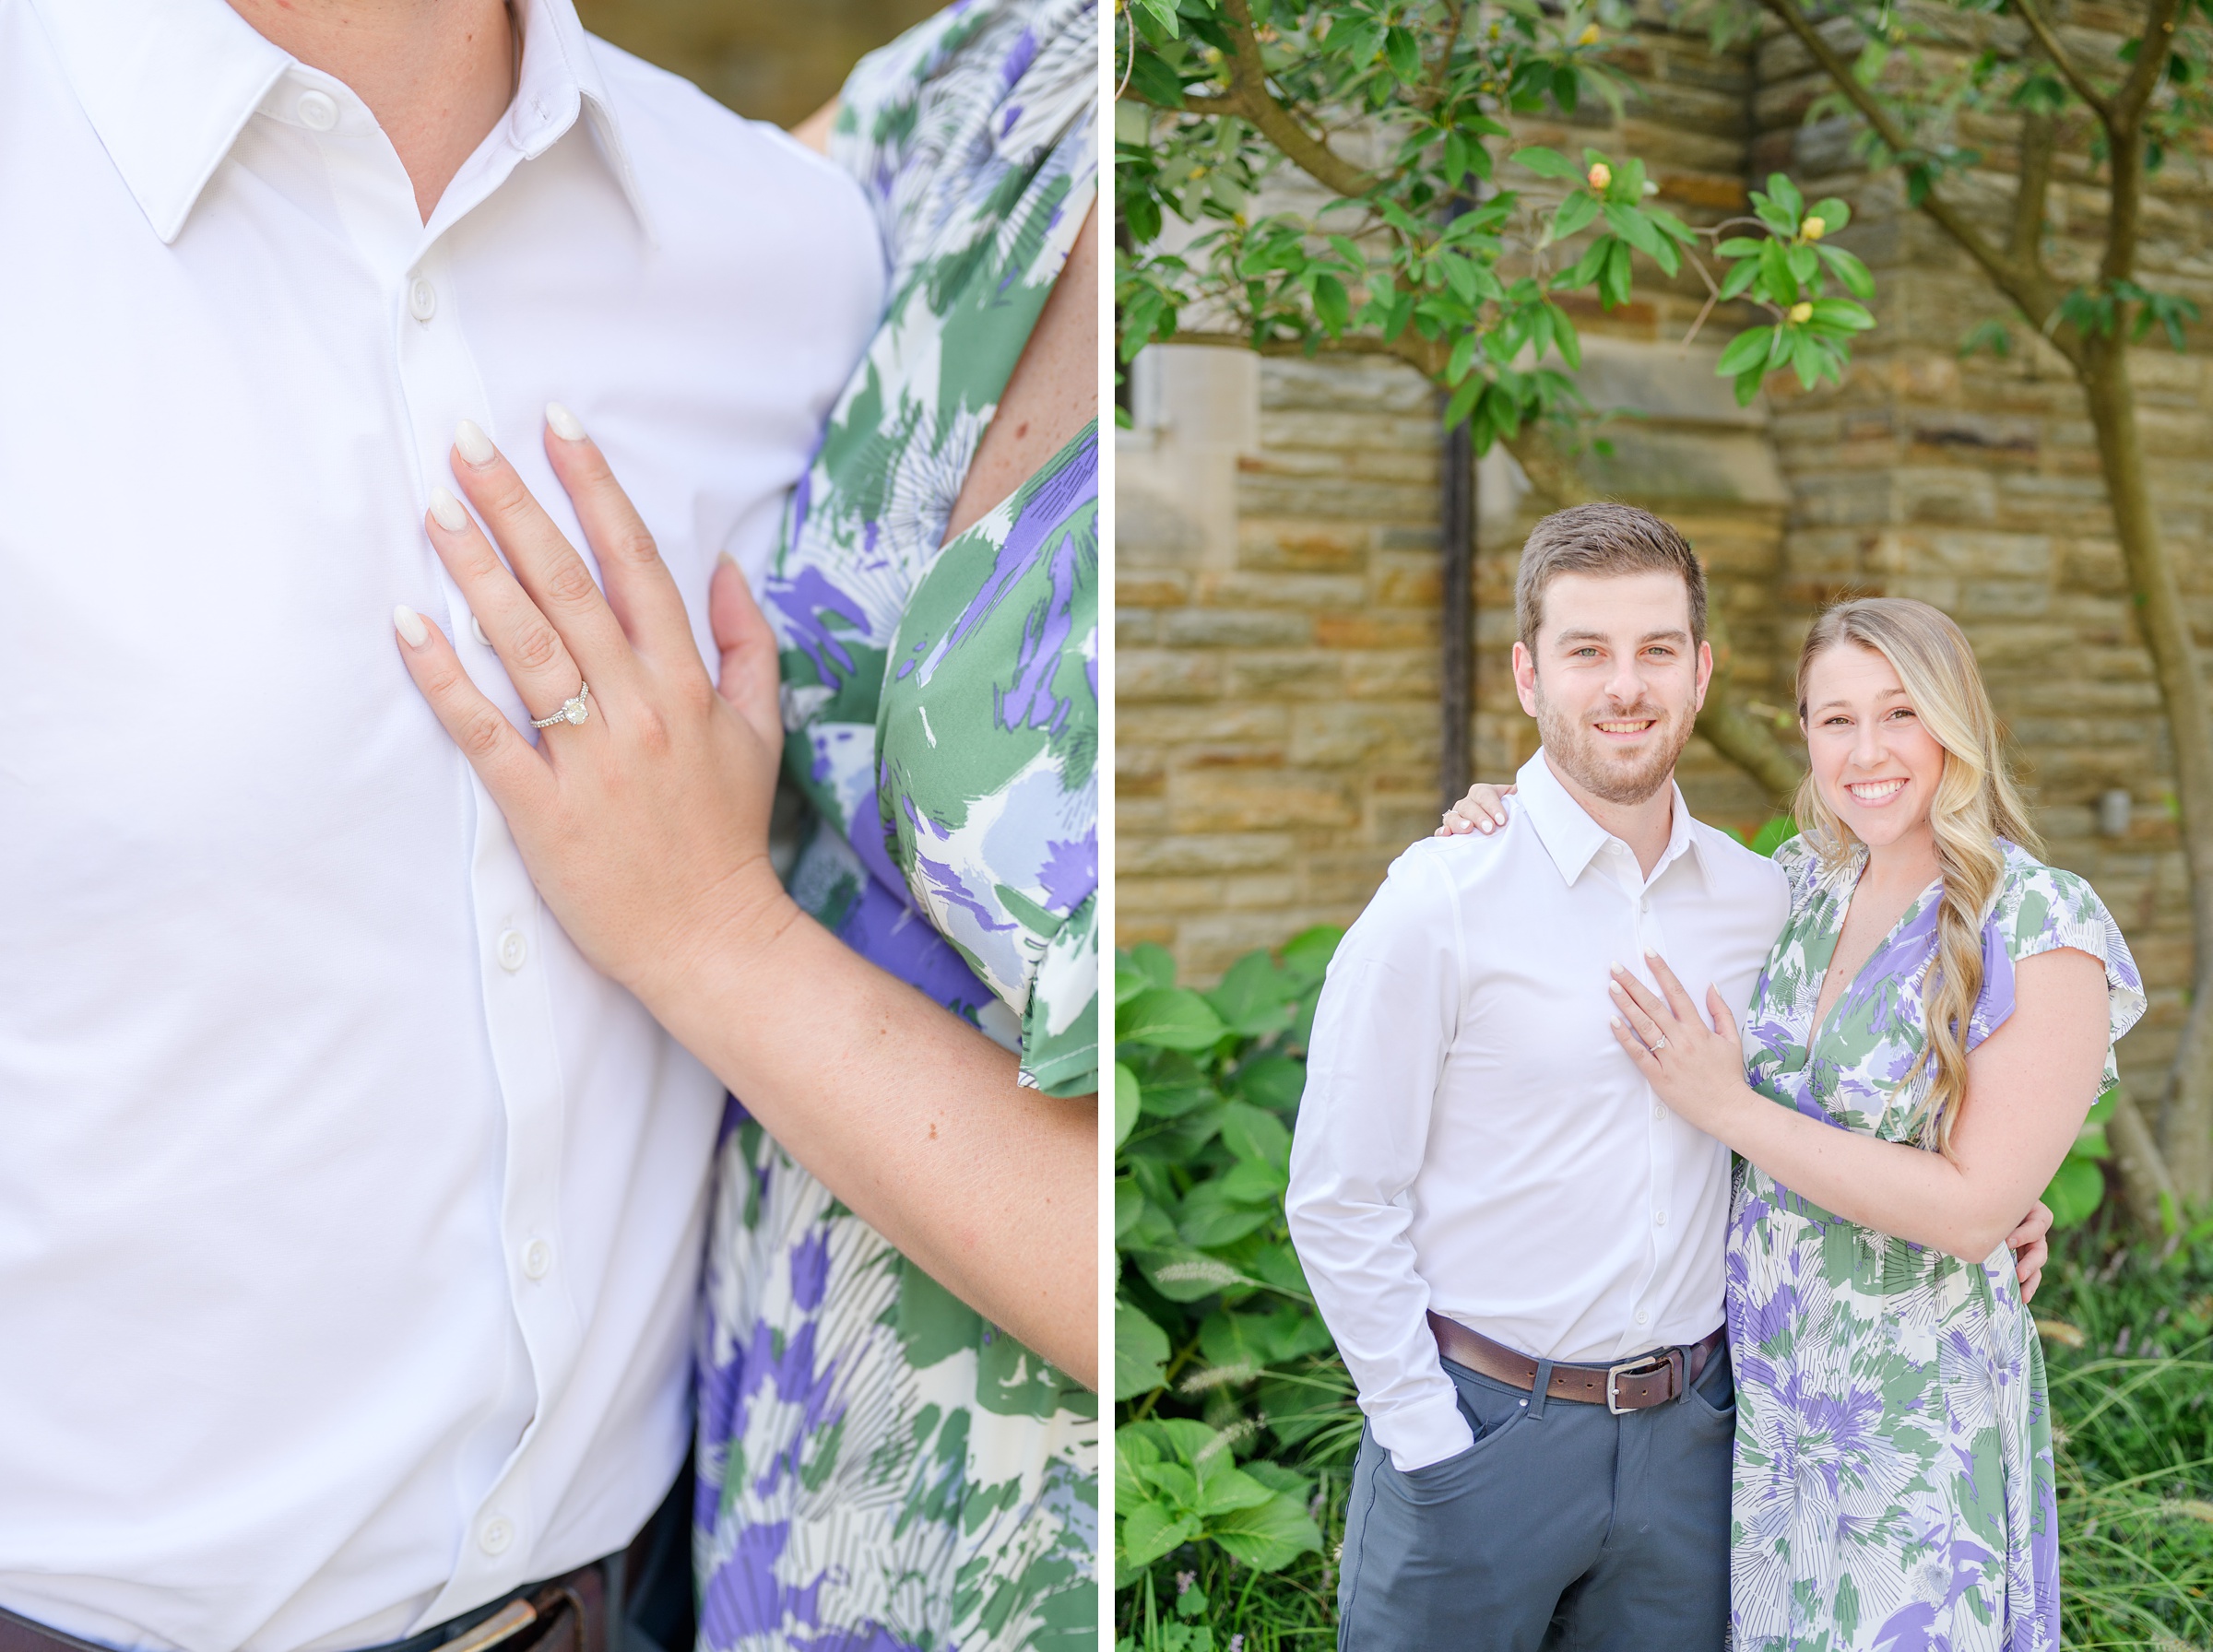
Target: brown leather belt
<point x="567" y="1614"/>
<point x="1650" y="1379"/>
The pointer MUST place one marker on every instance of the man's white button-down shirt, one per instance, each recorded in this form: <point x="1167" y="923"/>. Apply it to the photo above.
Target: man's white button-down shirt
<point x="1473" y="1140"/>
<point x="348" y="1220"/>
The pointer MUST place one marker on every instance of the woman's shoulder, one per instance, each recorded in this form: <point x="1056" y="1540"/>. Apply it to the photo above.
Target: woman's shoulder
<point x="973" y="80"/>
<point x="1803" y="866"/>
<point x="2041" y="907"/>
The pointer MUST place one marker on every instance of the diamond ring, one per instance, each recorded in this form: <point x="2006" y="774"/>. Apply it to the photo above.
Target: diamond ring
<point x="574" y="710"/>
<point x="1659" y="1043"/>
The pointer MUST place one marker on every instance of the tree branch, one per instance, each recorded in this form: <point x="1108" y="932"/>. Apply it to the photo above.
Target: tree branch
<point x="2031" y="191"/>
<point x="1418" y="353"/>
<point x="2026" y="288"/>
<point x="1248" y="91"/>
<point x="2060" y="59"/>
<point x="2128" y="107"/>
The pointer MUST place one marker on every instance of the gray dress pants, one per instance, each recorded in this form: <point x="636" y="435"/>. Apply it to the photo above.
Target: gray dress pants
<point x="1564" y="1529"/>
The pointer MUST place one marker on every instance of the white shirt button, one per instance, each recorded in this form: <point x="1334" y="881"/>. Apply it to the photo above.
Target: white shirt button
<point x="422" y="300"/>
<point x="1642" y="1316"/>
<point x="475" y="628"/>
<point x="318" y="111"/>
<point x="498" y="1535"/>
<point x="513" y="950"/>
<point x="1658" y="1218"/>
<point x="1660" y="1110"/>
<point x="538" y="1258"/>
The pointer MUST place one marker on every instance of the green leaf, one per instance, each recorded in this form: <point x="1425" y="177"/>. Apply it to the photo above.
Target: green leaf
<point x="1275" y="1082"/>
<point x="2076" y="1191"/>
<point x="1149" y="1531"/>
<point x="1157" y="962"/>
<point x="1333" y="304"/>
<point x="1256" y="997"/>
<point x="1140" y="1352"/>
<point x="1162" y="14"/>
<point x="1356" y="43"/>
<point x="1252" y="1181"/>
<point x="1225" y="1490"/>
<point x="1848" y="270"/>
<point x="1841" y="314"/>
<point x="1832" y="212"/>
<point x="1575" y="213"/>
<point x="1251" y="1132"/>
<point x="1404" y="54"/>
<point x="1268" y="1536"/>
<point x="1463" y="357"/>
<point x="1747" y="349"/>
<point x="1464" y="399"/>
<point x="1631" y="225"/>
<point x="1128" y="1103"/>
<point x="1738" y="278"/>
<point x="1545" y="162"/>
<point x="1784" y="194"/>
<point x="1306" y="954"/>
<point x="1613" y="286"/>
<point x="1170" y="1019"/>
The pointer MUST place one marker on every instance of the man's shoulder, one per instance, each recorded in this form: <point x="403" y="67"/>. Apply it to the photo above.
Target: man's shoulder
<point x="685" y="143"/>
<point x="1741" y="868"/>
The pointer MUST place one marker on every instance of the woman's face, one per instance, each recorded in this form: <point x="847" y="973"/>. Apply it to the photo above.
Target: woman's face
<point x="1874" y="759"/>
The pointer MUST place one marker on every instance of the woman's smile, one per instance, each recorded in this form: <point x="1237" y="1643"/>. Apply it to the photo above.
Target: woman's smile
<point x="1874" y="794"/>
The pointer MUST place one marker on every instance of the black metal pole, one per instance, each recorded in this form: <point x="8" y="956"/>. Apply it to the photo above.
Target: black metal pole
<point x="1456" y="686"/>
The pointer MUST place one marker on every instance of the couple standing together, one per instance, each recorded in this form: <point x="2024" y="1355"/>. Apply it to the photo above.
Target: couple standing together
<point x="1613" y="1401"/>
<point x="368" y="1001"/>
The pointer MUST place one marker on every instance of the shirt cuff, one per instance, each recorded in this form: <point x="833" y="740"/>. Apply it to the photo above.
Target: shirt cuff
<point x="1425" y="1430"/>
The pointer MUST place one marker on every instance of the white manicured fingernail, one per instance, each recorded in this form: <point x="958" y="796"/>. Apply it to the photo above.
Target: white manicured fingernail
<point x="446" y="509"/>
<point x="564" y="423"/>
<point x="410" y="626"/>
<point x="475" y="445"/>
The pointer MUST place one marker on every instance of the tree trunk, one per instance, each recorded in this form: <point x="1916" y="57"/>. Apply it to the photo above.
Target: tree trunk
<point x="2185" y="1117"/>
<point x="1745" y="740"/>
<point x="2143" y="1171"/>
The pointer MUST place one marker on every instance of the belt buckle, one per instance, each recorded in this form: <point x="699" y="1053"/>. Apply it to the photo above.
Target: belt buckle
<point x="1642" y="1366"/>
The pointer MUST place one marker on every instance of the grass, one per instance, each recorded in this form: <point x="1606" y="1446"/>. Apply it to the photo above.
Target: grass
<point x="2129" y="1348"/>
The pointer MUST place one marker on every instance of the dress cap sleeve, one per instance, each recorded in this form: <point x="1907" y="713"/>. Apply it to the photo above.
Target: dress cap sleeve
<point x="2042" y="909"/>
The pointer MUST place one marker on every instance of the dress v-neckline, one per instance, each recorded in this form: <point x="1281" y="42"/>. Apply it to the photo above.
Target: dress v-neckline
<point x="1821" y="1021"/>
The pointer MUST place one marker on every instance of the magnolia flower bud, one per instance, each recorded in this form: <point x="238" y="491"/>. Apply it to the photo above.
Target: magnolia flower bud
<point x="1600" y="174"/>
<point x="1812" y="229"/>
<point x="1588" y="36"/>
<point x="1802" y="312"/>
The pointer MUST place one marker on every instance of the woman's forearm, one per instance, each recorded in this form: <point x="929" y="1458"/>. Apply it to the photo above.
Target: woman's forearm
<point x="1892" y="1187"/>
<point x="910" y="1115"/>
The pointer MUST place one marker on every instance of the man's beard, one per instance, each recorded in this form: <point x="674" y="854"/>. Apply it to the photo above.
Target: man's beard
<point x="1575" y="746"/>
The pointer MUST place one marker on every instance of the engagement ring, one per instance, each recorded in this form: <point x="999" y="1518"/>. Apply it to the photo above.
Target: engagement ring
<point x="1659" y="1043"/>
<point x="574" y="711"/>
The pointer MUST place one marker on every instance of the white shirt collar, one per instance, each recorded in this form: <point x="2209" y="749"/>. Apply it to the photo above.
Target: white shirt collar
<point x="170" y="84"/>
<point x="1573" y="839"/>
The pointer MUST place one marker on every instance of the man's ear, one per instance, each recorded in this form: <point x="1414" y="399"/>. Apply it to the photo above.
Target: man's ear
<point x="1525" y="678"/>
<point x="1705" y="675"/>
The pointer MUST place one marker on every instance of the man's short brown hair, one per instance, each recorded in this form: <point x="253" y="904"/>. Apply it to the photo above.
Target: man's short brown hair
<point x="1605" y="539"/>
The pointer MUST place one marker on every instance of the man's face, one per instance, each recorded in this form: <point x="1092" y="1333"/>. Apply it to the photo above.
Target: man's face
<point x="1615" y="682"/>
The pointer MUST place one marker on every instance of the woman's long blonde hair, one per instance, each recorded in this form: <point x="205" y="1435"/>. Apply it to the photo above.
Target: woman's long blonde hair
<point x="1975" y="807"/>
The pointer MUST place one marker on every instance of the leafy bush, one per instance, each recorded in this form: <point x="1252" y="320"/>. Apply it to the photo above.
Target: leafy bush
<point x="1223" y="1368"/>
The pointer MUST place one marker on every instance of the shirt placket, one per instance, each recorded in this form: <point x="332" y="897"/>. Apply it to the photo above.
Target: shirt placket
<point x="1647" y="934"/>
<point x="439" y="384"/>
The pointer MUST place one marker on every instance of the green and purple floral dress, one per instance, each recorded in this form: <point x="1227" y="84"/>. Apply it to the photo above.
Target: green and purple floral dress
<point x="879" y="1468"/>
<point x="1894" y="1487"/>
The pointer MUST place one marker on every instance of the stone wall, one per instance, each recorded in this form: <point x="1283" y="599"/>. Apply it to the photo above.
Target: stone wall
<point x="774" y="60"/>
<point x="1278" y="703"/>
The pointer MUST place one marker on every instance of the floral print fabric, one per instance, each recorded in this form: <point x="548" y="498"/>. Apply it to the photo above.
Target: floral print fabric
<point x="880" y="1468"/>
<point x="1894" y="1484"/>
